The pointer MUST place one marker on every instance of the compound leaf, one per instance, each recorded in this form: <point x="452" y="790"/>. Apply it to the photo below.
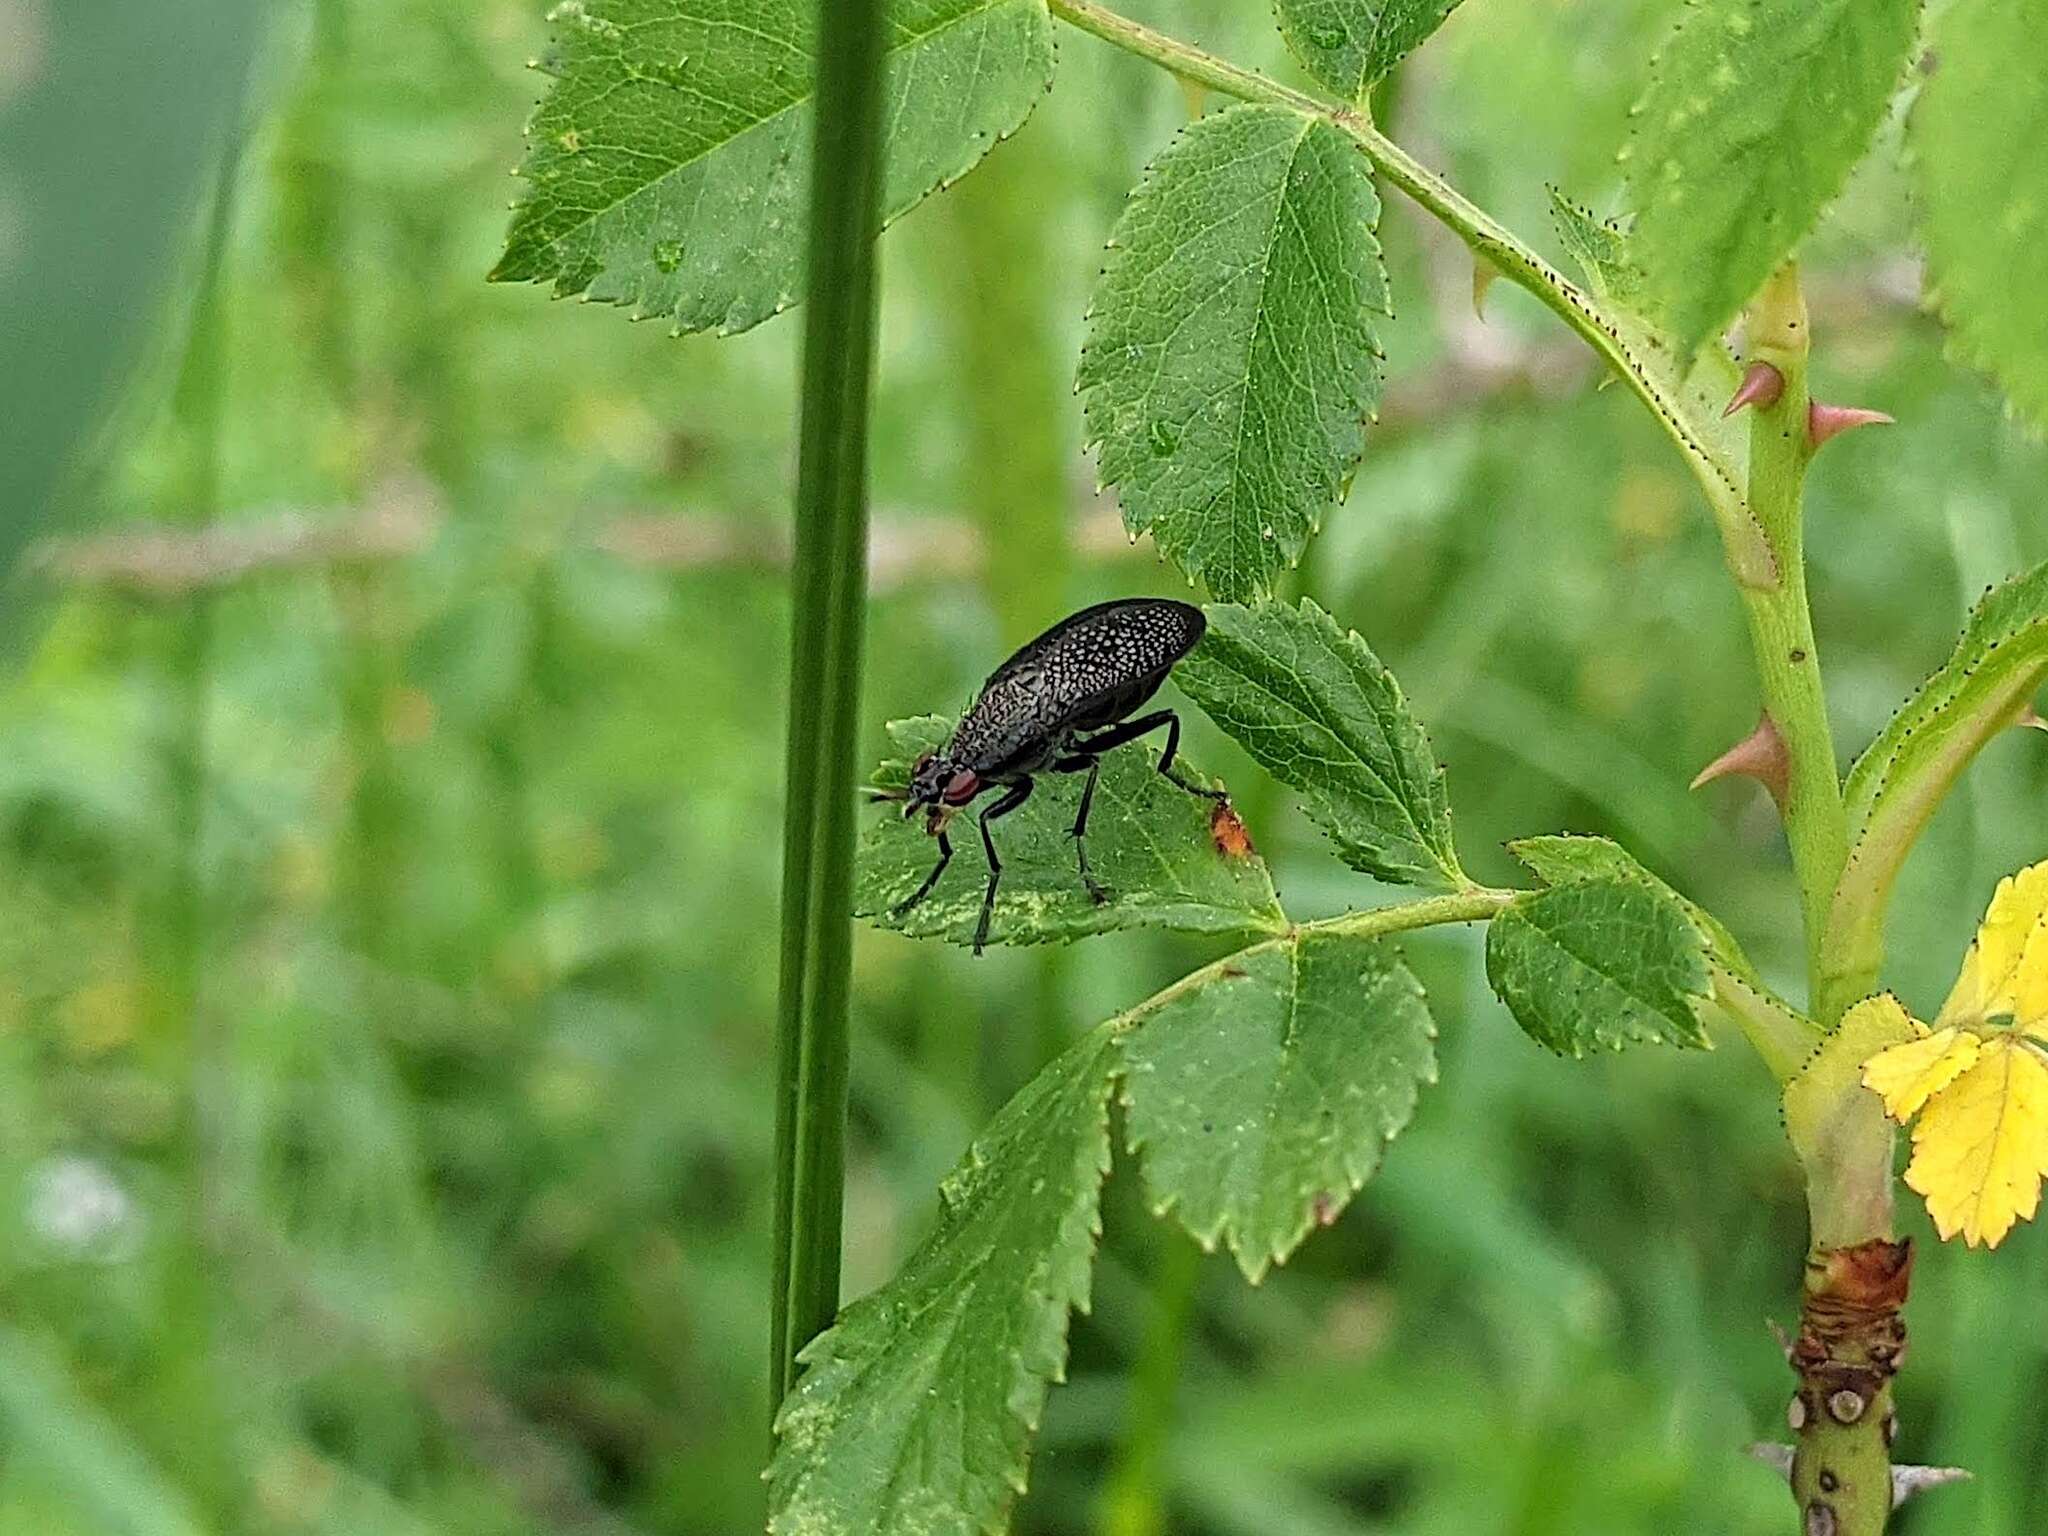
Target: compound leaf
<point x="1755" y="113"/>
<point x="1998" y="666"/>
<point x="915" y="1411"/>
<point x="1314" y="707"/>
<point x="666" y="168"/>
<point x="1231" y="359"/>
<point x="1261" y="1100"/>
<point x="1978" y="137"/>
<point x="1347" y="45"/>
<point x="1600" y="964"/>
<point x="1157" y="847"/>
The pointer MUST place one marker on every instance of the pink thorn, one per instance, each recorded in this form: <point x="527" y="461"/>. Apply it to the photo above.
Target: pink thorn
<point x="1761" y="385"/>
<point x="1760" y="755"/>
<point x="2030" y="718"/>
<point x="1826" y="421"/>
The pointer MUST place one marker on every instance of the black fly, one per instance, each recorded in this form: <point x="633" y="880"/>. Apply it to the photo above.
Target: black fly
<point x="1056" y="706"/>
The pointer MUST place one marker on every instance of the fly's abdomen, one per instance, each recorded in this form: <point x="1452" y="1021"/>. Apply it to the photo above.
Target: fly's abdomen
<point x="1087" y="671"/>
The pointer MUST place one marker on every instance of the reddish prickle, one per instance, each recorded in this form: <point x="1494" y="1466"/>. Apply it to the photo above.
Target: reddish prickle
<point x="1826" y="421"/>
<point x="1761" y="755"/>
<point x="1762" y="384"/>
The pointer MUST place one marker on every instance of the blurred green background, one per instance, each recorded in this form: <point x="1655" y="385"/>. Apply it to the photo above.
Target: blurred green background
<point x="390" y="744"/>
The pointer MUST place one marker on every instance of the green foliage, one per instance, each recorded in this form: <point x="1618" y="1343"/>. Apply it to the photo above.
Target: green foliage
<point x="1232" y="357"/>
<point x="1348" y="45"/>
<point x="1755" y="113"/>
<point x="1149" y="841"/>
<point x="666" y="168"/>
<point x="1600" y="964"/>
<point x="1314" y="707"/>
<point x="915" y="1412"/>
<point x="1997" y="667"/>
<point x="1261" y="1099"/>
<point x="1562" y="859"/>
<point x="1978" y="137"/>
<point x="49" y="1420"/>
<point x="498" y="1178"/>
<point x="1600" y="248"/>
<point x="1781" y="1035"/>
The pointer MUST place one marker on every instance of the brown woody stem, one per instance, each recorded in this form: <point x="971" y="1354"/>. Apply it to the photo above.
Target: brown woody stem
<point x="1852" y="1339"/>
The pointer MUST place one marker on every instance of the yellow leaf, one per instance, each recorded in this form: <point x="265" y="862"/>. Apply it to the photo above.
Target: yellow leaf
<point x="1907" y="1076"/>
<point x="1980" y="1149"/>
<point x="2006" y="970"/>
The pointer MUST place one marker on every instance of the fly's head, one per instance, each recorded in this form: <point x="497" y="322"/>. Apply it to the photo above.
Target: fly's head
<point x="939" y="787"/>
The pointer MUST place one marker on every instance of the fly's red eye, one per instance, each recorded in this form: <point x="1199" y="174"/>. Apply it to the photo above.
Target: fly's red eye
<point x="961" y="788"/>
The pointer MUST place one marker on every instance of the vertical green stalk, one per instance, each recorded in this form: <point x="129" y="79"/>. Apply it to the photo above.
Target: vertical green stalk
<point x="1013" y="379"/>
<point x="1781" y="622"/>
<point x="1851" y="1335"/>
<point x="310" y="203"/>
<point x="193" y="1034"/>
<point x="1134" y="1500"/>
<point x="828" y="602"/>
<point x="196" y="400"/>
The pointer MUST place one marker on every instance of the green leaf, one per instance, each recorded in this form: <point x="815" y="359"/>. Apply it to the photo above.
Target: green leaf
<point x="1347" y="45"/>
<point x="1781" y="1034"/>
<point x="916" y="1410"/>
<point x="1600" y="248"/>
<point x="1600" y="964"/>
<point x="1231" y="359"/>
<point x="1997" y="667"/>
<point x="1563" y="858"/>
<point x="1262" y="1099"/>
<point x="666" y="168"/>
<point x="1314" y="708"/>
<point x="1978" y="138"/>
<point x="1149" y="841"/>
<point x="1755" y="113"/>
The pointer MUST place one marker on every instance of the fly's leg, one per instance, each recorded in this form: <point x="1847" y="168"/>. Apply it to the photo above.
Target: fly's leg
<point x="930" y="880"/>
<point x="1097" y="891"/>
<point x="1019" y="793"/>
<point x="1131" y="730"/>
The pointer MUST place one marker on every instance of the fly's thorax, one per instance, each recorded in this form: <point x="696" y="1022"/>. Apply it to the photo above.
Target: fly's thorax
<point x="1016" y="718"/>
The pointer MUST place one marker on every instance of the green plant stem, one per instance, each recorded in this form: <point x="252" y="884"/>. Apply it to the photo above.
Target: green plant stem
<point x="1473" y="904"/>
<point x="196" y="408"/>
<point x="1488" y="239"/>
<point x="1781" y="622"/>
<point x="312" y="202"/>
<point x="1134" y="1494"/>
<point x="1784" y="1039"/>
<point x="829" y="601"/>
<point x="1841" y="1469"/>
